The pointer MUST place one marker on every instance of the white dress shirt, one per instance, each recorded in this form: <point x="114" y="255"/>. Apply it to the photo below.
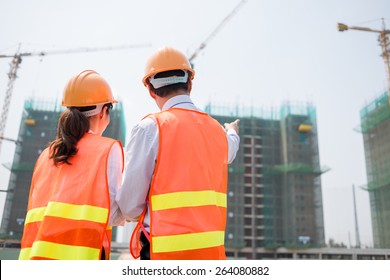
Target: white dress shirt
<point x="114" y="178"/>
<point x="141" y="156"/>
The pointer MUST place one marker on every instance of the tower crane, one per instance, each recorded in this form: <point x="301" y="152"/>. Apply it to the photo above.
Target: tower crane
<point x="384" y="42"/>
<point x="216" y="30"/>
<point x="17" y="60"/>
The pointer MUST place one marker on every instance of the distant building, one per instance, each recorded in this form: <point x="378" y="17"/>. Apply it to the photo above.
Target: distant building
<point x="38" y="127"/>
<point x="375" y="126"/>
<point x="274" y="189"/>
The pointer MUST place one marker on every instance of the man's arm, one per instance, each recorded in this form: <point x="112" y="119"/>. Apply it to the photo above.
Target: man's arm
<point x="232" y="130"/>
<point x="140" y="160"/>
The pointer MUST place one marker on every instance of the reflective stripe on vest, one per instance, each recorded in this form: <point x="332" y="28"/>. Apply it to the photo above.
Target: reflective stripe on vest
<point x="189" y="241"/>
<point x="188" y="207"/>
<point x="67" y="211"/>
<point x="69" y="205"/>
<point x="60" y="251"/>
<point x="188" y="199"/>
<point x="57" y="251"/>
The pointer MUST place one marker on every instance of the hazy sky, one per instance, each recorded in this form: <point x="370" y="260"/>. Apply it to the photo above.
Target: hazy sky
<point x="268" y="53"/>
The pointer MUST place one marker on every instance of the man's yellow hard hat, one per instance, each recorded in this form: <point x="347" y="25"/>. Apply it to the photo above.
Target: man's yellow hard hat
<point x="167" y="59"/>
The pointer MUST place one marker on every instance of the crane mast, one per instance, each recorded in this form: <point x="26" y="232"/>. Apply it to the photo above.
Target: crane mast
<point x="215" y="31"/>
<point x="14" y="65"/>
<point x="12" y="75"/>
<point x="384" y="42"/>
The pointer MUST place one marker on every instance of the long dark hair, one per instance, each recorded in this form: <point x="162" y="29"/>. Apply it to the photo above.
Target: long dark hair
<point x="72" y="125"/>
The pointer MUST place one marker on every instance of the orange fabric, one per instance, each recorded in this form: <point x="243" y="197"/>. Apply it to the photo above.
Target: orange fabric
<point x="186" y="218"/>
<point x="71" y="231"/>
<point x="135" y="244"/>
<point x="84" y="182"/>
<point x="192" y="156"/>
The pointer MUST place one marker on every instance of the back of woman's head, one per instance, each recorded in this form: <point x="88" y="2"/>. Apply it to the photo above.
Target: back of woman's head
<point x="85" y="94"/>
<point x="72" y="125"/>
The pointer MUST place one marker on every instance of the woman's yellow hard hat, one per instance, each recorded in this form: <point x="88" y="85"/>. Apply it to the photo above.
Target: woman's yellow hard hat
<point x="87" y="88"/>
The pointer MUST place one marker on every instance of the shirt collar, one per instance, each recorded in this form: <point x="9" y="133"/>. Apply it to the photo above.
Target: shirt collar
<point x="175" y="100"/>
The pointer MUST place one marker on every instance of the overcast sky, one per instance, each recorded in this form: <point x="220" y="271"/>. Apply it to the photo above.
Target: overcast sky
<point x="268" y="53"/>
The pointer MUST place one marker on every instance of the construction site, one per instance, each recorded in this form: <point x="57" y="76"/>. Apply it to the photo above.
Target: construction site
<point x="275" y="196"/>
<point x="375" y="128"/>
<point x="275" y="191"/>
<point x="274" y="186"/>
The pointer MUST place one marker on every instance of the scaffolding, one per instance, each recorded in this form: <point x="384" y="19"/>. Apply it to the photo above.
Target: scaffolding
<point x="374" y="113"/>
<point x="300" y="168"/>
<point x="274" y="176"/>
<point x="242" y="111"/>
<point x="375" y="128"/>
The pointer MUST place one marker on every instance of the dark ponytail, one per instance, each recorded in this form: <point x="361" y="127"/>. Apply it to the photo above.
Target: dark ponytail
<point x="72" y="125"/>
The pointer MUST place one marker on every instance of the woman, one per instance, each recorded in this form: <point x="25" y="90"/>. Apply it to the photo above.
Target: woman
<point x="69" y="203"/>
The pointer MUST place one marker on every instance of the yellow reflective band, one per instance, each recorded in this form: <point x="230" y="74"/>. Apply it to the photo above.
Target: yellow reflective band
<point x="24" y="254"/>
<point x="62" y="252"/>
<point x="190" y="241"/>
<point x="68" y="211"/>
<point x="35" y="215"/>
<point x="188" y="199"/>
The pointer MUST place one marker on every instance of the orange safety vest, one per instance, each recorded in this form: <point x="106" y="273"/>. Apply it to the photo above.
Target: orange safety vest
<point x="188" y="191"/>
<point x="69" y="205"/>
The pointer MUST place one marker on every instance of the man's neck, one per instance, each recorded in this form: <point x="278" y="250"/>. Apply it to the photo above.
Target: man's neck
<point x="162" y="100"/>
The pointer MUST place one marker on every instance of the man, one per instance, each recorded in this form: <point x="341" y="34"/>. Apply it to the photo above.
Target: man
<point x="175" y="181"/>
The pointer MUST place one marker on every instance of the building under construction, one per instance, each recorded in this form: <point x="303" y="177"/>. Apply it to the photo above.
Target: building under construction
<point x="274" y="193"/>
<point x="38" y="127"/>
<point x="375" y="126"/>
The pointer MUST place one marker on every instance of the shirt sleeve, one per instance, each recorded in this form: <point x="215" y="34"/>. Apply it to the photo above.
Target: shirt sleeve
<point x="114" y="175"/>
<point x="140" y="155"/>
<point x="233" y="144"/>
